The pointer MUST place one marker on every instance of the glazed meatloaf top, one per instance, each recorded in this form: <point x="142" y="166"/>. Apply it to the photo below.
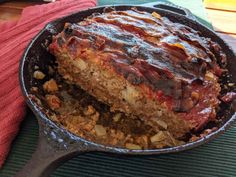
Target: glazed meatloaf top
<point x="172" y="62"/>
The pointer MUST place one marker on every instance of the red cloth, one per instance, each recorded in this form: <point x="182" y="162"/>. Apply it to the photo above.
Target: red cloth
<point x="14" y="38"/>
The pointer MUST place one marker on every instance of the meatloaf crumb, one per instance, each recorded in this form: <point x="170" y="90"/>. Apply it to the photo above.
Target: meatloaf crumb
<point x="50" y="86"/>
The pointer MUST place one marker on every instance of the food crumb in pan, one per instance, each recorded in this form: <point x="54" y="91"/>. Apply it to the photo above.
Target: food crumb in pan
<point x="39" y="74"/>
<point x="194" y="138"/>
<point x="36" y="67"/>
<point x="230" y="84"/>
<point x="34" y="89"/>
<point x="53" y="101"/>
<point x="50" y="86"/>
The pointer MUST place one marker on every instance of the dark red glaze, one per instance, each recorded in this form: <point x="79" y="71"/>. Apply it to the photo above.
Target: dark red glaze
<point x="203" y="110"/>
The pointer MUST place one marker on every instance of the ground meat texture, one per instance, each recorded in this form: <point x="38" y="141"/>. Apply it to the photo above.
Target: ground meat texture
<point x="144" y="65"/>
<point x="53" y="101"/>
<point x="84" y="116"/>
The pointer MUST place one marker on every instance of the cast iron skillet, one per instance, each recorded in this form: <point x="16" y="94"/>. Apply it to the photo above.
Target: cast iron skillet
<point x="55" y="144"/>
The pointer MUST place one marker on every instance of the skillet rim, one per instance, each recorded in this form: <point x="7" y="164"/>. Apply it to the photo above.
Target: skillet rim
<point x="92" y="146"/>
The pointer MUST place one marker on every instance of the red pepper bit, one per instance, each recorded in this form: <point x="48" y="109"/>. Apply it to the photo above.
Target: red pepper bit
<point x="230" y="96"/>
<point x="159" y="94"/>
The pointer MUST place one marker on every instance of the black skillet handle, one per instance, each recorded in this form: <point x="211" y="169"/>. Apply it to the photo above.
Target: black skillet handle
<point x="171" y="7"/>
<point x="50" y="153"/>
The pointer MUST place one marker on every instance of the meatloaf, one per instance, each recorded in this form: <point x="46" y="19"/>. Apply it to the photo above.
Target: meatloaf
<point x="143" y="64"/>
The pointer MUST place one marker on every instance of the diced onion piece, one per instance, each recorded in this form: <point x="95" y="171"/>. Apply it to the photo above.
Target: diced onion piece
<point x="174" y="141"/>
<point x="156" y="15"/>
<point x="80" y="63"/>
<point x="130" y="94"/>
<point x="39" y="75"/>
<point x="117" y="117"/>
<point x="162" y="124"/>
<point x="100" y="130"/>
<point x="132" y="146"/>
<point x="160" y="136"/>
<point x="50" y="70"/>
<point x="230" y="84"/>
